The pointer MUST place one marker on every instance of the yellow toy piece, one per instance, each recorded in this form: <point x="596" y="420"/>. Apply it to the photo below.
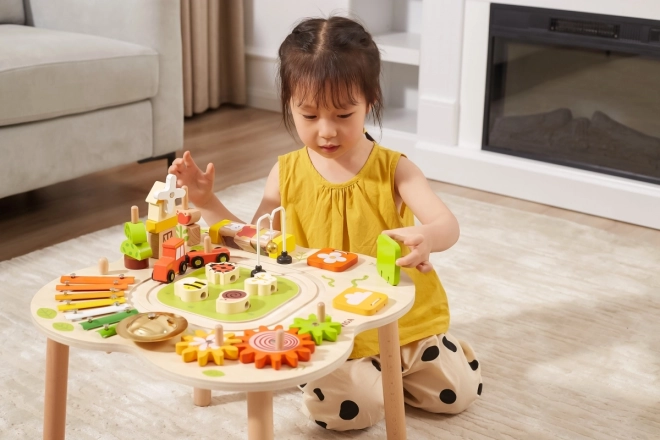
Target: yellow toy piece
<point x="158" y="227"/>
<point x="290" y="245"/>
<point x="91" y="304"/>
<point x="214" y="231"/>
<point x="201" y="346"/>
<point x="360" y="301"/>
<point x="191" y="289"/>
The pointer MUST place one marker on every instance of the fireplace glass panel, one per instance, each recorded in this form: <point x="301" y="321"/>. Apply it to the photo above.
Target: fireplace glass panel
<point x="586" y="108"/>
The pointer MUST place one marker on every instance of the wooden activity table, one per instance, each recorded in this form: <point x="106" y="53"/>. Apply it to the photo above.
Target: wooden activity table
<point x="315" y="285"/>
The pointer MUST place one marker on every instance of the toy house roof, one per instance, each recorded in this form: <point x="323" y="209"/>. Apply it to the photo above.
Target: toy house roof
<point x="151" y="198"/>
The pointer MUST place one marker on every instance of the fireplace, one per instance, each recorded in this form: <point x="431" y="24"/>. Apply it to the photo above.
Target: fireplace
<point x="575" y="89"/>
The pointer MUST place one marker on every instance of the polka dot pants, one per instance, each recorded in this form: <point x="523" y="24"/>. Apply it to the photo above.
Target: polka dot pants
<point x="440" y="375"/>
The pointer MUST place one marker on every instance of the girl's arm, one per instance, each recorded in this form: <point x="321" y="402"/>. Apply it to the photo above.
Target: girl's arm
<point x="271" y="198"/>
<point x="439" y="228"/>
<point x="214" y="211"/>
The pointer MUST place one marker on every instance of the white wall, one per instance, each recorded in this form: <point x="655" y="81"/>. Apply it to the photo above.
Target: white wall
<point x="267" y="23"/>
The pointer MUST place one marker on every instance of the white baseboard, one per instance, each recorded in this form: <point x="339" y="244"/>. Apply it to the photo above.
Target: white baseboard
<point x="564" y="187"/>
<point x="263" y="99"/>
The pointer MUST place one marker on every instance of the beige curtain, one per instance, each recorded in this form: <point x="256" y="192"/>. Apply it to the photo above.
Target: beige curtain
<point x="213" y="54"/>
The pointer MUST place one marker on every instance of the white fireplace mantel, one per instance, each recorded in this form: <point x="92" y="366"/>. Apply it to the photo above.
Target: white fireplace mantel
<point x="452" y="87"/>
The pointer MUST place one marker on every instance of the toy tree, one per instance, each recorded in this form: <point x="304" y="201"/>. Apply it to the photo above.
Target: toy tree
<point x="136" y="248"/>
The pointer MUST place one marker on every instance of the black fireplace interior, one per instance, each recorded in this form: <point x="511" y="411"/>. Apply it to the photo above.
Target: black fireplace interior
<point x="575" y="89"/>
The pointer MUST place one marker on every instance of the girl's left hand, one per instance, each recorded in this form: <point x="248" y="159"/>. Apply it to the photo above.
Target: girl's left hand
<point x="420" y="249"/>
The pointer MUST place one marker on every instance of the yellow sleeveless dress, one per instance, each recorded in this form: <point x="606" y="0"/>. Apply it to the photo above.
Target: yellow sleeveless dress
<point x="350" y="216"/>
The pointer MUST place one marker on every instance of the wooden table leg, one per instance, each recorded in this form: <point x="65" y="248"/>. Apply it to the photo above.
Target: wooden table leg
<point x="390" y="364"/>
<point x="201" y="397"/>
<point x="57" y="372"/>
<point x="260" y="415"/>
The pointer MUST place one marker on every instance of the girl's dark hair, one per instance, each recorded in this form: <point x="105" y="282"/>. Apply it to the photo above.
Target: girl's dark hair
<point x="329" y="60"/>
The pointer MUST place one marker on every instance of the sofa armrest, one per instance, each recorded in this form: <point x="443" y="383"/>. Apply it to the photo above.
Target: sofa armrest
<point x="151" y="23"/>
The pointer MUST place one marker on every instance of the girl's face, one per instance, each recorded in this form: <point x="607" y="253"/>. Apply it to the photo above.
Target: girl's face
<point x="330" y="131"/>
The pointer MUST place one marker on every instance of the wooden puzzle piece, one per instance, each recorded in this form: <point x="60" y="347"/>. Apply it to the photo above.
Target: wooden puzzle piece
<point x="188" y="216"/>
<point x="232" y="301"/>
<point x="277" y="241"/>
<point x="157" y="227"/>
<point x="388" y="251"/>
<point x="361" y="301"/>
<point x="215" y="232"/>
<point x="203" y="346"/>
<point x="190" y="233"/>
<point x="260" y="347"/>
<point x="222" y="273"/>
<point x="332" y="259"/>
<point x="261" y="284"/>
<point x="133" y="264"/>
<point x="326" y="330"/>
<point x="156" y="211"/>
<point x="191" y="289"/>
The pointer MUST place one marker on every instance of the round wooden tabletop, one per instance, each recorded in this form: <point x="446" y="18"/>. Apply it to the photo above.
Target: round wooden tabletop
<point x="315" y="285"/>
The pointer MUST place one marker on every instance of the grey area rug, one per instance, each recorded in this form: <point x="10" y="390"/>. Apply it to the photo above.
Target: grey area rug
<point x="565" y="320"/>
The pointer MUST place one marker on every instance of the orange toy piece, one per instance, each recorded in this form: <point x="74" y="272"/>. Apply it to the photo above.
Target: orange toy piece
<point x="260" y="347"/>
<point x="201" y="346"/>
<point x="174" y="258"/>
<point x="74" y="279"/>
<point x="90" y="287"/>
<point x="332" y="260"/>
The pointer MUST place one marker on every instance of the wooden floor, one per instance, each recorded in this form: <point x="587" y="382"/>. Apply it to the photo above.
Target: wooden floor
<point x="50" y="215"/>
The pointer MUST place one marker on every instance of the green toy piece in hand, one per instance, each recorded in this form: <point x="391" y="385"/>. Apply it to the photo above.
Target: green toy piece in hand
<point x="327" y="330"/>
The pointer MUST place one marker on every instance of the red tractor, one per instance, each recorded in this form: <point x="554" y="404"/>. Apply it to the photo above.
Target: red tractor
<point x="175" y="259"/>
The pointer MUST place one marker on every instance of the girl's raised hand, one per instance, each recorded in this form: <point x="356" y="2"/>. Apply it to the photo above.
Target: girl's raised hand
<point x="420" y="249"/>
<point x="199" y="183"/>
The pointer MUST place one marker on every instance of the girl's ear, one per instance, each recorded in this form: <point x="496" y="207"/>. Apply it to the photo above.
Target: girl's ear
<point x="368" y="109"/>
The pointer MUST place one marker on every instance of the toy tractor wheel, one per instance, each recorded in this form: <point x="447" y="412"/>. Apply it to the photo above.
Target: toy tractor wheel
<point x="183" y="267"/>
<point x="170" y="276"/>
<point x="222" y="258"/>
<point x="197" y="262"/>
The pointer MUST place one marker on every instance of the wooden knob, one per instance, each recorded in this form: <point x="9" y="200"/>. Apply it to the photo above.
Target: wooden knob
<point x="320" y="312"/>
<point x="219" y="335"/>
<point x="279" y="339"/>
<point x="103" y="266"/>
<point x="135" y="214"/>
<point x="207" y="244"/>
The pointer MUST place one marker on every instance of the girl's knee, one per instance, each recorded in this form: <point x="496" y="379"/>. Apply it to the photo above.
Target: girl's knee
<point x="342" y="413"/>
<point x="349" y="398"/>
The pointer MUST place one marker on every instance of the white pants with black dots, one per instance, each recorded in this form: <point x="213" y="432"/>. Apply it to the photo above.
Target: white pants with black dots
<point x="440" y="375"/>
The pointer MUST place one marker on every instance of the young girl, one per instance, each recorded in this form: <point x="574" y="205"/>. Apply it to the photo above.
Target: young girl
<point x="342" y="190"/>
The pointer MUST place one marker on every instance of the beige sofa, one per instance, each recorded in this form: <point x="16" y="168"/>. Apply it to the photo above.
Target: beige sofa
<point x="86" y="85"/>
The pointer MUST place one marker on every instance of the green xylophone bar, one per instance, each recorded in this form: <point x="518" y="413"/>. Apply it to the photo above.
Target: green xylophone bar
<point x="110" y="319"/>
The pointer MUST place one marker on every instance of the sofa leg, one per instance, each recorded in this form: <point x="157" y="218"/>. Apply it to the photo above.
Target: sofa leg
<point x="169" y="156"/>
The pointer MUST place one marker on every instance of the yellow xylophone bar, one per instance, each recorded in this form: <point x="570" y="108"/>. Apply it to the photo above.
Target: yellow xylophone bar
<point x="85" y="287"/>
<point x="90" y="304"/>
<point x="75" y="279"/>
<point x="89" y="295"/>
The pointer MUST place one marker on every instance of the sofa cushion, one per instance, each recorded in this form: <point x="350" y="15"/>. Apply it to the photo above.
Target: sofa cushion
<point x="12" y="12"/>
<point x="46" y="74"/>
